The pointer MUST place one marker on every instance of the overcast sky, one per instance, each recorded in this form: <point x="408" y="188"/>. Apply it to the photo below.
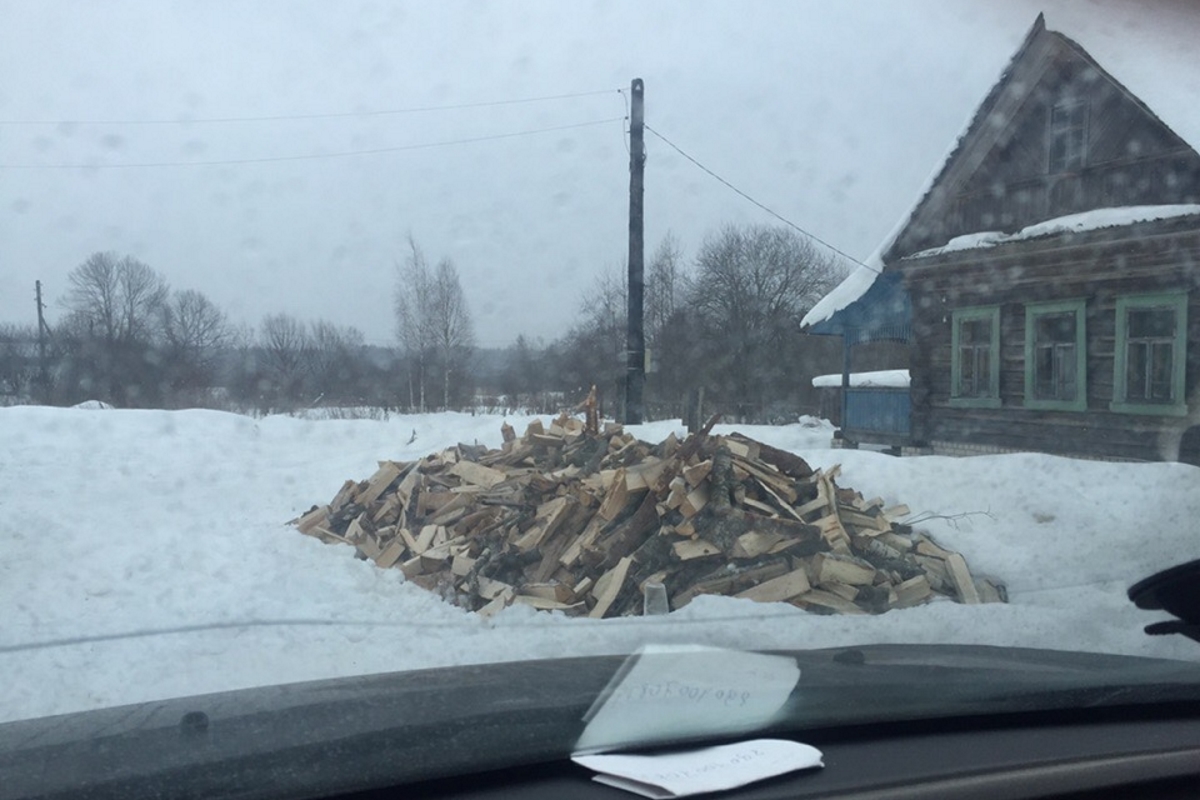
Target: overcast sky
<point x="833" y="114"/>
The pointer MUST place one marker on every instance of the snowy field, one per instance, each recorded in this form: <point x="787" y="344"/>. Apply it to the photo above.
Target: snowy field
<point x="144" y="555"/>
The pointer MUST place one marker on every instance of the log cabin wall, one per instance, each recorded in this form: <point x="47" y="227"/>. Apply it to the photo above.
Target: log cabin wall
<point x="1097" y="267"/>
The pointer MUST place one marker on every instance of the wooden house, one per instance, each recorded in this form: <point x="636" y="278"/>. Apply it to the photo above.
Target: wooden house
<point x="1047" y="279"/>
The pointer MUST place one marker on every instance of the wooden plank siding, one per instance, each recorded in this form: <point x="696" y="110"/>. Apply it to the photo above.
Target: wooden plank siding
<point x="1130" y="157"/>
<point x="1097" y="267"/>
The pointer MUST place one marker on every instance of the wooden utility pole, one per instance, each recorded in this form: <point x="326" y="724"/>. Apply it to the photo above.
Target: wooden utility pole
<point x="635" y="340"/>
<point x="43" y="373"/>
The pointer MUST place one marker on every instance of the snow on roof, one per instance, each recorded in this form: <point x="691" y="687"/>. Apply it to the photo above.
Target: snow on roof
<point x="892" y="378"/>
<point x="1072" y="223"/>
<point x="853" y="287"/>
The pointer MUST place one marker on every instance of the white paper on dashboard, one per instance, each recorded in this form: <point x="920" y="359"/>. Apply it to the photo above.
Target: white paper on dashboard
<point x="667" y="693"/>
<point x="710" y="769"/>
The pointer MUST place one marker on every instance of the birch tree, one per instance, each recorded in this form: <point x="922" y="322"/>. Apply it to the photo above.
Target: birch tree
<point x="414" y="289"/>
<point x="453" y="332"/>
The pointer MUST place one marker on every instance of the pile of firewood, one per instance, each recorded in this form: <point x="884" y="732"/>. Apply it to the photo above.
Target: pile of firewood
<point x="581" y="520"/>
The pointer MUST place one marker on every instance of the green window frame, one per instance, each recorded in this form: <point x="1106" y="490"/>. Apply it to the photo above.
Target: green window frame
<point x="1056" y="355"/>
<point x="975" y="357"/>
<point x="1151" y="356"/>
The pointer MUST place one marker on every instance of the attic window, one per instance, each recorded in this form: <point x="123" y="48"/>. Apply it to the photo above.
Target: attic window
<point x="1068" y="136"/>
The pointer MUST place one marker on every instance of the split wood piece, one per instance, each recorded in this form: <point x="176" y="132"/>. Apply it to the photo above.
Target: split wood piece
<point x="543" y="604"/>
<point x="368" y="548"/>
<point x="818" y="503"/>
<point x="412" y="567"/>
<point x="628" y="535"/>
<point x="477" y="474"/>
<point x="783" y="503"/>
<point x="344" y="495"/>
<point x="695" y="501"/>
<point x="329" y="537"/>
<point x="645" y="475"/>
<point x="549" y="516"/>
<point x="388" y="511"/>
<point x="960" y="576"/>
<point x="749" y="502"/>
<point x="558" y="592"/>
<point x="678" y="493"/>
<point x="866" y="524"/>
<point x="912" y="592"/>
<point x="689" y="549"/>
<point x="833" y="533"/>
<point x="785" y="587"/>
<point x="555" y="544"/>
<point x="821" y="601"/>
<point x="461" y="565"/>
<point x="317" y="518"/>
<point x="926" y="547"/>
<point x="608" y="587"/>
<point x="724" y="581"/>
<point x="590" y="408"/>
<point x="615" y="498"/>
<point x="424" y="539"/>
<point x="754" y="544"/>
<point x="498" y="603"/>
<point x="380" y="482"/>
<point x="695" y="474"/>
<point x="936" y="572"/>
<point x="583" y="541"/>
<point x="357" y="531"/>
<point x="546" y="440"/>
<point x="776" y="482"/>
<point x="789" y="464"/>
<point x="391" y="554"/>
<point x="742" y="448"/>
<point x="489" y="589"/>
<point x="828" y="568"/>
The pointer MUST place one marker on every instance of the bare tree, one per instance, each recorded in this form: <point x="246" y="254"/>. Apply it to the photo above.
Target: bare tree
<point x="751" y="287"/>
<point x="284" y="343"/>
<point x="120" y="299"/>
<point x="115" y="311"/>
<point x="414" y="289"/>
<point x="663" y="282"/>
<point x="453" y="333"/>
<point x="195" y="333"/>
<point x="334" y="360"/>
<point x="18" y="361"/>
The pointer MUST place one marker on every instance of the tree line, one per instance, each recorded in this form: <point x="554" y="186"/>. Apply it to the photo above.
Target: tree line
<point x="725" y="321"/>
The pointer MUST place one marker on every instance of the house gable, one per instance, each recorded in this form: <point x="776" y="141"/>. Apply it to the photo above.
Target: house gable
<point x="1056" y="135"/>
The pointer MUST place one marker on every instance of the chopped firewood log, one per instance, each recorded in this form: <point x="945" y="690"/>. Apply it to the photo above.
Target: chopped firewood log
<point x="609" y="586"/>
<point x="578" y="517"/>
<point x="785" y="587"/>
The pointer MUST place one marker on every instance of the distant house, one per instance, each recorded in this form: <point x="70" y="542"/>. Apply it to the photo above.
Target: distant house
<point x="1047" y="279"/>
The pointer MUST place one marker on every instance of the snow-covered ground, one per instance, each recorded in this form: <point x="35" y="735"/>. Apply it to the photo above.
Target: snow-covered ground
<point x="144" y="555"/>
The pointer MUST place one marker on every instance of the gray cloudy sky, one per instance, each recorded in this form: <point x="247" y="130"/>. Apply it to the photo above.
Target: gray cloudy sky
<point x="833" y="114"/>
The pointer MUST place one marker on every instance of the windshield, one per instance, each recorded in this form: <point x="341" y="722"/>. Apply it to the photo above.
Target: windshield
<point x="344" y="339"/>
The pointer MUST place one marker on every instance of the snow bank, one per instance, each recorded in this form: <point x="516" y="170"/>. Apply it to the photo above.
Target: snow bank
<point x="147" y="551"/>
<point x="893" y="378"/>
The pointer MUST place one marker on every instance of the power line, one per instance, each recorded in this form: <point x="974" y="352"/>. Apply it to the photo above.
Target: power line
<point x="313" y="156"/>
<point x="773" y="213"/>
<point x="324" y="115"/>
